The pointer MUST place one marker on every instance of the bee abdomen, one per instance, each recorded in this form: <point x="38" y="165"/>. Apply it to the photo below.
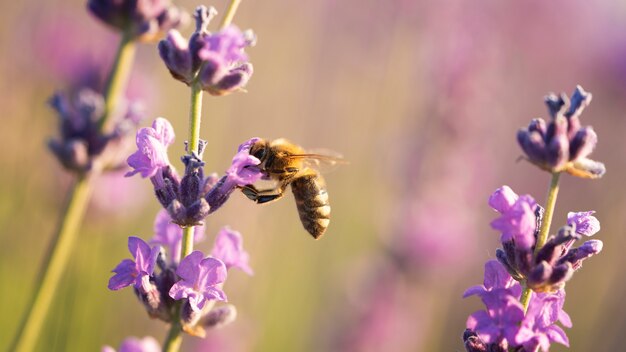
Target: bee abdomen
<point x="312" y="202"/>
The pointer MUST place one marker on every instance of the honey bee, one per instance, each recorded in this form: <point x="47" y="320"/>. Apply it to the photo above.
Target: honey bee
<point x="289" y="164"/>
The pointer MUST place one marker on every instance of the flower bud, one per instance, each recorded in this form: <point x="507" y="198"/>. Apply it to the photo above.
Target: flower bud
<point x="219" y="316"/>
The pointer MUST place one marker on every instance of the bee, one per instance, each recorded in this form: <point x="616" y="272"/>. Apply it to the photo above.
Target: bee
<point x="289" y="164"/>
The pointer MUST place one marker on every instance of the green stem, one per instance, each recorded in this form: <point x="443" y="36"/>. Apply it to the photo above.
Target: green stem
<point x="53" y="266"/>
<point x="187" y="246"/>
<point x="65" y="236"/>
<point x="174" y="337"/>
<point x="195" y="113"/>
<point x="230" y="13"/>
<point x="553" y="192"/>
<point x="544" y="230"/>
<point x="120" y="72"/>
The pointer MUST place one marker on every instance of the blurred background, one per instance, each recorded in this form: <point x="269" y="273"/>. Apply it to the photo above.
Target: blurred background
<point x="423" y="98"/>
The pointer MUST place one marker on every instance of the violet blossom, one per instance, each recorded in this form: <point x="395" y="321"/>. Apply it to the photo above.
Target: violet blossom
<point x="217" y="61"/>
<point x="134" y="344"/>
<point x="138" y="272"/>
<point x="518" y="221"/>
<point x="151" y="155"/>
<point x="228" y="248"/>
<point x="200" y="282"/>
<point x="189" y="199"/>
<point x="585" y="223"/>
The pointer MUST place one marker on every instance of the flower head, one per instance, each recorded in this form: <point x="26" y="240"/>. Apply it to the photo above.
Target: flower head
<point x="151" y="154"/>
<point x="145" y="20"/>
<point x="170" y="235"/>
<point x="217" y="59"/>
<point x="81" y="142"/>
<point x="134" y="344"/>
<point x="585" y="223"/>
<point x="229" y="249"/>
<point x="562" y="144"/>
<point x="241" y="172"/>
<point x="538" y="328"/>
<point x="501" y="319"/>
<point x="136" y="272"/>
<point x="496" y="277"/>
<point x="200" y="282"/>
<point x="518" y="220"/>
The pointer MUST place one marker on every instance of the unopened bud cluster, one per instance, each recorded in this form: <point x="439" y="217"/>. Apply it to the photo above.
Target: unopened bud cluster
<point x="81" y="144"/>
<point x="144" y="20"/>
<point x="562" y="144"/>
<point x="216" y="61"/>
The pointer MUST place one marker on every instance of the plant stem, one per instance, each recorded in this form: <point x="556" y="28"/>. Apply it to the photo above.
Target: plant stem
<point x="553" y="192"/>
<point x="230" y="13"/>
<point x="72" y="215"/>
<point x="53" y="266"/>
<point x="544" y="230"/>
<point x="195" y="113"/>
<point x="120" y="72"/>
<point x="174" y="337"/>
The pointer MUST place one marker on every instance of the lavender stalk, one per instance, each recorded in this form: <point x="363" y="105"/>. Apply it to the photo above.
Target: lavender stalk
<point x="89" y="142"/>
<point x="174" y="336"/>
<point x="53" y="266"/>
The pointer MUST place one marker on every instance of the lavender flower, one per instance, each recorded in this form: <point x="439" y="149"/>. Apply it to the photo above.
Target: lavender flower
<point x="200" y="282"/>
<point x="144" y="20"/>
<point x="170" y="235"/>
<point x="538" y="330"/>
<point x="151" y="155"/>
<point x="136" y="272"/>
<point x="496" y="277"/>
<point x="241" y="172"/>
<point x="555" y="263"/>
<point x="190" y="199"/>
<point x="584" y="222"/>
<point x="518" y="221"/>
<point x="82" y="146"/>
<point x="562" y="144"/>
<point x="217" y="61"/>
<point x="229" y="249"/>
<point x="501" y="320"/>
<point x="134" y="344"/>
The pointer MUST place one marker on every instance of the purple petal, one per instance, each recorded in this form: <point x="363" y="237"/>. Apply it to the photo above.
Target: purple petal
<point x="125" y="273"/>
<point x="496" y="275"/>
<point x="474" y="290"/>
<point x="211" y="272"/>
<point x="189" y="268"/>
<point x="502" y="199"/>
<point x="180" y="290"/>
<point x="228" y="248"/>
<point x="585" y="223"/>
<point x="164" y="131"/>
<point x="133" y="344"/>
<point x="215" y="293"/>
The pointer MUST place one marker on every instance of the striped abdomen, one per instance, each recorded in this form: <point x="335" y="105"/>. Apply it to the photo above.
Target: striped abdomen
<point x="311" y="198"/>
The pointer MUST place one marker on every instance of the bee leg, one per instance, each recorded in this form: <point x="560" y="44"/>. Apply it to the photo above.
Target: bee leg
<point x="263" y="196"/>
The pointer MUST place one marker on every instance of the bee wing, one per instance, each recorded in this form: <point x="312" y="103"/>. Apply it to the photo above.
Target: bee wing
<point x="321" y="160"/>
